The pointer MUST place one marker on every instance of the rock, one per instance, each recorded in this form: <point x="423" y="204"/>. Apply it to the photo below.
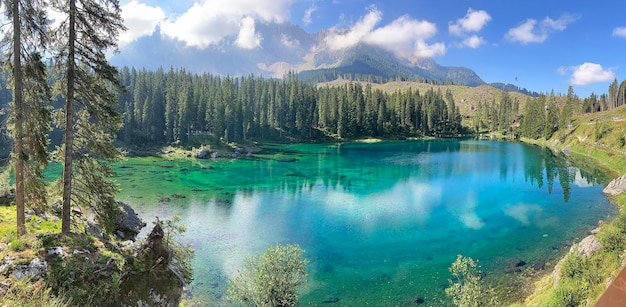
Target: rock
<point x="7" y="265"/>
<point x="36" y="267"/>
<point x="57" y="250"/>
<point x="567" y="150"/>
<point x="128" y="222"/>
<point x="159" y="286"/>
<point x="178" y="196"/>
<point x="165" y="200"/>
<point x="287" y="160"/>
<point x="331" y="300"/>
<point x="539" y="266"/>
<point x="589" y="246"/>
<point x="616" y="187"/>
<point x="203" y="154"/>
<point x="515" y="265"/>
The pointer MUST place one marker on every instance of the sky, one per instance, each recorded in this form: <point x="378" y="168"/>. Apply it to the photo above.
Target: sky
<point x="539" y="45"/>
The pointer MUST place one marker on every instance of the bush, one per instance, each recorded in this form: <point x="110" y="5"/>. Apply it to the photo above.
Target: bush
<point x="271" y="279"/>
<point x="567" y="296"/>
<point x="612" y="238"/>
<point x="18" y="245"/>
<point x="466" y="290"/>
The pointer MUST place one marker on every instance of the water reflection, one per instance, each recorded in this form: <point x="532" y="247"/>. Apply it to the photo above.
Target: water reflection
<point x="377" y="220"/>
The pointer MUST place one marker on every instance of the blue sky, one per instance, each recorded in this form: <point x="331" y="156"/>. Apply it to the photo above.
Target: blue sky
<point x="540" y="45"/>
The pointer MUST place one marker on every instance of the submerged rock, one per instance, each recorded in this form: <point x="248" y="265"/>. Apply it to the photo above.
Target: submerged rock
<point x="616" y="187"/>
<point x="515" y="265"/>
<point x="331" y="300"/>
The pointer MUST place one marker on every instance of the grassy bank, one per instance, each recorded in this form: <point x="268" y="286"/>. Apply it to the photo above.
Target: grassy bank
<point x="597" y="139"/>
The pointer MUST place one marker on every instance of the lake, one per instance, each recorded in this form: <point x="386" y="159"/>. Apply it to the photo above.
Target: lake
<point x="380" y="223"/>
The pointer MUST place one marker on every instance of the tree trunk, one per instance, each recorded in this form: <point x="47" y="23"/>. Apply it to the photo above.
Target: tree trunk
<point x="18" y="109"/>
<point x="69" y="123"/>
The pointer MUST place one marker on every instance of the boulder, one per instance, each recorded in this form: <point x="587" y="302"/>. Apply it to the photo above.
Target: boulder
<point x="616" y="187"/>
<point x="128" y="224"/>
<point x="36" y="267"/>
<point x="589" y="246"/>
<point x="203" y="154"/>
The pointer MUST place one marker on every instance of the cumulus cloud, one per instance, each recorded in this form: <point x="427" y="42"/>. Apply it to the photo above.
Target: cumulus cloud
<point x="405" y="37"/>
<point x="248" y="38"/>
<point x="620" y="31"/>
<point x="473" y="41"/>
<point x="210" y="21"/>
<point x="286" y="41"/>
<point x="588" y="73"/>
<point x="307" y="18"/>
<point x="473" y="21"/>
<point x="533" y="31"/>
<point x="140" y="19"/>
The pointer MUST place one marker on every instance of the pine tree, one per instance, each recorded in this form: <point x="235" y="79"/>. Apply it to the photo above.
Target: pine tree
<point x="31" y="97"/>
<point x="91" y="119"/>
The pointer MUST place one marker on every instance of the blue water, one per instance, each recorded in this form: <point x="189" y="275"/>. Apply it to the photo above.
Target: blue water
<point x="380" y="223"/>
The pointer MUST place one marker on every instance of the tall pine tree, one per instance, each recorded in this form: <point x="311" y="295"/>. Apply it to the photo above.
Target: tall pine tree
<point x="31" y="97"/>
<point x="90" y="118"/>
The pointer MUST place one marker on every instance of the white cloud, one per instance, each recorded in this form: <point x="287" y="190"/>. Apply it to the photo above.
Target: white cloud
<point x="532" y="31"/>
<point x="306" y="19"/>
<point x="248" y="38"/>
<point x="289" y="42"/>
<point x="588" y="73"/>
<point x="404" y="36"/>
<point x="141" y="20"/>
<point x="621" y="32"/>
<point x="473" y="41"/>
<point x="210" y="21"/>
<point x="473" y="21"/>
<point x="338" y="40"/>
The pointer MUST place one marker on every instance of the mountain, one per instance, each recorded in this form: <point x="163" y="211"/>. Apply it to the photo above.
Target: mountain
<point x="367" y="63"/>
<point x="288" y="48"/>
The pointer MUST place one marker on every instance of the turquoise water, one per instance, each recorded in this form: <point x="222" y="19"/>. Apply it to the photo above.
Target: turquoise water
<point x="380" y="223"/>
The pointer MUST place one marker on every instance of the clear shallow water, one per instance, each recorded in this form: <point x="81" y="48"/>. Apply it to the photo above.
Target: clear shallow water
<point x="380" y="223"/>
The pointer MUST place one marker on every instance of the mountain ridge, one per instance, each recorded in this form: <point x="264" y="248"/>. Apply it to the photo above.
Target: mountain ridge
<point x="287" y="48"/>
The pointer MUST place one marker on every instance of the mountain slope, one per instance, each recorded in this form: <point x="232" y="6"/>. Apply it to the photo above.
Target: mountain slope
<point x="288" y="48"/>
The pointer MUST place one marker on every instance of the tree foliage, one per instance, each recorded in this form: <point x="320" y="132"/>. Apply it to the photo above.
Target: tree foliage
<point x="271" y="279"/>
<point x="90" y="118"/>
<point x="30" y="117"/>
<point x="466" y="289"/>
<point x="162" y="108"/>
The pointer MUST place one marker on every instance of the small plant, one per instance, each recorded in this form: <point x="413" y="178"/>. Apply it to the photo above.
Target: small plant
<point x="28" y="293"/>
<point x="18" y="246"/>
<point x="566" y="296"/>
<point x="272" y="278"/>
<point x="467" y="290"/>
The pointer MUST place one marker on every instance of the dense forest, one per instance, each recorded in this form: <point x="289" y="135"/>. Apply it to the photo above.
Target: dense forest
<point x="164" y="107"/>
<point x="175" y="106"/>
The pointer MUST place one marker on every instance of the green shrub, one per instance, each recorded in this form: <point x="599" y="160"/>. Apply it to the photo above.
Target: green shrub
<point x="567" y="296"/>
<point x="612" y="238"/>
<point x="467" y="289"/>
<point x="270" y="279"/>
<point x="574" y="266"/>
<point x="18" y="245"/>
